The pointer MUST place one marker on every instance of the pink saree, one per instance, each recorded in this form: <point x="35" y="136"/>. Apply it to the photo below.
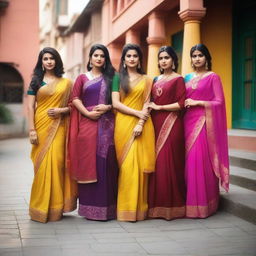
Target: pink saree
<point x="207" y="162"/>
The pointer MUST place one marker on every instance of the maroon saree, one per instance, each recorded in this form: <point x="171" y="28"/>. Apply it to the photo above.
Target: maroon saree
<point x="167" y="185"/>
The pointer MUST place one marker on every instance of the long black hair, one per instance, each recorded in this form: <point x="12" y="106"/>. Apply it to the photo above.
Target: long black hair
<point x="204" y="50"/>
<point x="107" y="69"/>
<point x="170" y="51"/>
<point x="124" y="77"/>
<point x="38" y="73"/>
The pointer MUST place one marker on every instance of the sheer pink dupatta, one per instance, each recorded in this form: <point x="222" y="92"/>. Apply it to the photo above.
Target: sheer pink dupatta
<point x="217" y="132"/>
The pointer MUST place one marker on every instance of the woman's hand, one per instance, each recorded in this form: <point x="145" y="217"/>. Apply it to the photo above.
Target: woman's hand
<point x="54" y="112"/>
<point x="137" y="130"/>
<point x="192" y="103"/>
<point x="33" y="137"/>
<point x="102" y="108"/>
<point x="152" y="105"/>
<point x="143" y="114"/>
<point x="94" y="115"/>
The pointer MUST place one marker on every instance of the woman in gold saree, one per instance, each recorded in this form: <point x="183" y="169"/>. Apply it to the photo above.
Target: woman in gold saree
<point x="134" y="135"/>
<point x="52" y="192"/>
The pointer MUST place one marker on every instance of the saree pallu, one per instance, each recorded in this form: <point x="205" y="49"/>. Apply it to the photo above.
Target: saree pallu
<point x="135" y="155"/>
<point x="53" y="192"/>
<point x="92" y="153"/>
<point x="167" y="184"/>
<point x="207" y="162"/>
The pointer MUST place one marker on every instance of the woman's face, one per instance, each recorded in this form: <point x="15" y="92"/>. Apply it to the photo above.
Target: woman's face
<point x="165" y="61"/>
<point x="98" y="58"/>
<point x="198" y="59"/>
<point x="131" y="58"/>
<point x="48" y="61"/>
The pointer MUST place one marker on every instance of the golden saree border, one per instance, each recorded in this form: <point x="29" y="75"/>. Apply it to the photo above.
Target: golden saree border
<point x="51" y="132"/>
<point x="200" y="211"/>
<point x="43" y="217"/>
<point x="167" y="213"/>
<point x="146" y="95"/>
<point x="165" y="131"/>
<point x="70" y="204"/>
<point x="131" y="215"/>
<point x="217" y="166"/>
<point x="193" y="136"/>
<point x="126" y="149"/>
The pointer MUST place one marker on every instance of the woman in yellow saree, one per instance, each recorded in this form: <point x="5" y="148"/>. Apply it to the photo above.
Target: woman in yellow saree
<point x="134" y="135"/>
<point x="52" y="192"/>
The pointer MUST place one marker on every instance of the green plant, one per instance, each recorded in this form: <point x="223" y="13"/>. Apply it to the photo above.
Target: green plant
<point x="5" y="115"/>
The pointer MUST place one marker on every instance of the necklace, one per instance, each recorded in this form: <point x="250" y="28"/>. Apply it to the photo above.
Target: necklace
<point x="95" y="76"/>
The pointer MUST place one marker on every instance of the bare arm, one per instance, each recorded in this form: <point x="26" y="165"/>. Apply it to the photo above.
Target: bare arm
<point x="169" y="107"/>
<point x="118" y="105"/>
<point x="31" y="119"/>
<point x="94" y="115"/>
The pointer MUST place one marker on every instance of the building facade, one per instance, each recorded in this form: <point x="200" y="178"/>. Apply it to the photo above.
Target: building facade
<point x="19" y="46"/>
<point x="228" y="28"/>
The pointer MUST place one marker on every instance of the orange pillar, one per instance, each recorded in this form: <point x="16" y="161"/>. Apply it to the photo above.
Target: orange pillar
<point x="115" y="51"/>
<point x="132" y="37"/>
<point x="156" y="38"/>
<point x="191" y="12"/>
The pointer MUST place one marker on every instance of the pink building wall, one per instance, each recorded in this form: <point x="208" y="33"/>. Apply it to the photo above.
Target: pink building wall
<point x="19" y="36"/>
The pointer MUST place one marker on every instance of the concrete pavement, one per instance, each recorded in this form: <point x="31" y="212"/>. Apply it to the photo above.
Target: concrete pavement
<point x="222" y="234"/>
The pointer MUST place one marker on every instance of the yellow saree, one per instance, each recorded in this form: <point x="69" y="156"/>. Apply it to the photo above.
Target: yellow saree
<point x="135" y="155"/>
<point x="53" y="192"/>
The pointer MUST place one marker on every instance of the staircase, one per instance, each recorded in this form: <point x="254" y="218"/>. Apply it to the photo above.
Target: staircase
<point x="241" y="199"/>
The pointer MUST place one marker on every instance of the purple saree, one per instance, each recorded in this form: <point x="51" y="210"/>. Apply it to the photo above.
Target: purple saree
<point x="207" y="161"/>
<point x="92" y="153"/>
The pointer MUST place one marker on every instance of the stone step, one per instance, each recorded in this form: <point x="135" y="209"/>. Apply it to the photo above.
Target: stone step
<point x="243" y="177"/>
<point x="240" y="202"/>
<point x="243" y="159"/>
<point x="242" y="139"/>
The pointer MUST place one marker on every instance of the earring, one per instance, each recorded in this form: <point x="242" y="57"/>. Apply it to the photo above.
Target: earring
<point x="124" y="65"/>
<point x="206" y="65"/>
<point x="139" y="67"/>
<point x="90" y="65"/>
<point x="104" y="66"/>
<point x="173" y="66"/>
<point x="43" y="67"/>
<point x="161" y="70"/>
<point x="192" y="65"/>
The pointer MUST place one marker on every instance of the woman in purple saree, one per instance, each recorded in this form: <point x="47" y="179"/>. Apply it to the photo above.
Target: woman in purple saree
<point x="207" y="162"/>
<point x="91" y="153"/>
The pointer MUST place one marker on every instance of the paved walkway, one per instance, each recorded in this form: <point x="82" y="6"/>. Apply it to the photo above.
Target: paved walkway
<point x="222" y="234"/>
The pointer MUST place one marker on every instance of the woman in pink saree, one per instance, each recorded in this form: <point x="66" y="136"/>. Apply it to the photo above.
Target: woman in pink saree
<point x="207" y="162"/>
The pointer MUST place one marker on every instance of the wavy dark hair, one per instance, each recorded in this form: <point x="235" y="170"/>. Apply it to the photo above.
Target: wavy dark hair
<point x="38" y="73"/>
<point x="124" y="77"/>
<point x="170" y="51"/>
<point x="204" y="50"/>
<point x="107" y="70"/>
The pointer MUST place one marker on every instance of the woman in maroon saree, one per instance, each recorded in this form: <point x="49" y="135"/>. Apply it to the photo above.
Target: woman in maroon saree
<point x="167" y="185"/>
<point x="207" y="162"/>
<point x="91" y="146"/>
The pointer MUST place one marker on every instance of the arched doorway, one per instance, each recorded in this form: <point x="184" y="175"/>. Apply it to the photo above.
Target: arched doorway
<point x="11" y="97"/>
<point x="11" y="84"/>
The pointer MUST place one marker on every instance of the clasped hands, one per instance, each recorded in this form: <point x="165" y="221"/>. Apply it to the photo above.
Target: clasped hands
<point x="192" y="103"/>
<point x="98" y="110"/>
